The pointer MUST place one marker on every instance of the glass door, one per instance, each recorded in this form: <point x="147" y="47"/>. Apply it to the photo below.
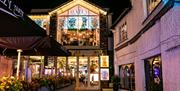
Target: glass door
<point x="87" y="73"/>
<point x="83" y="72"/>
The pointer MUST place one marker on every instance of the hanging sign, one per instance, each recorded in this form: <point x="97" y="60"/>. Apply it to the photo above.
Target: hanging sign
<point x="10" y="8"/>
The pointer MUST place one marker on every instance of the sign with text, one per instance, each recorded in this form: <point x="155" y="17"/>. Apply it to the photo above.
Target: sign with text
<point x="10" y="8"/>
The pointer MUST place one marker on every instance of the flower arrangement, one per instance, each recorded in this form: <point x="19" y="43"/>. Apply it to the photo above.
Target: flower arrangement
<point x="10" y="84"/>
<point x="13" y="84"/>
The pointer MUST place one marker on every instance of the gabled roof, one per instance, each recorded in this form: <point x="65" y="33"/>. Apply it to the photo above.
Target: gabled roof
<point x="124" y="13"/>
<point x="64" y="7"/>
<point x="40" y="11"/>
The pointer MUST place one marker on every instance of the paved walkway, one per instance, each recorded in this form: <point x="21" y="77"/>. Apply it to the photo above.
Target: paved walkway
<point x="72" y="88"/>
<point x="68" y="88"/>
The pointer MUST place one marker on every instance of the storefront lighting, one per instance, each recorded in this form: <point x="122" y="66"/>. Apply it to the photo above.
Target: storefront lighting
<point x="39" y="17"/>
<point x="78" y="2"/>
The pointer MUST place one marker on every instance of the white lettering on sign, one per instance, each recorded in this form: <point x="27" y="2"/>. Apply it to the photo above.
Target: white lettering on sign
<point x="12" y="10"/>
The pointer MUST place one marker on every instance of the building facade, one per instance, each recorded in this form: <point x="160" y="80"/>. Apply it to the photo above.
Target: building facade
<point x="147" y="46"/>
<point x="82" y="28"/>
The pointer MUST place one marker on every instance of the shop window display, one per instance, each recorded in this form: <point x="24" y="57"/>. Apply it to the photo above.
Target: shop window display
<point x="72" y="63"/>
<point x="61" y="66"/>
<point x="153" y="74"/>
<point x="83" y="71"/>
<point x="79" y="27"/>
<point x="94" y="71"/>
<point x="127" y="76"/>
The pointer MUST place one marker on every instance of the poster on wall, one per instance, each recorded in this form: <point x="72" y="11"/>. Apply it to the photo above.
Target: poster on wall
<point x="94" y="65"/>
<point x="105" y="74"/>
<point x="104" y="61"/>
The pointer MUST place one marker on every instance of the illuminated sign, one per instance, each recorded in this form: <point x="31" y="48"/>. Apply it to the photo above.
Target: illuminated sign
<point x="104" y="61"/>
<point x="10" y="8"/>
<point x="105" y="74"/>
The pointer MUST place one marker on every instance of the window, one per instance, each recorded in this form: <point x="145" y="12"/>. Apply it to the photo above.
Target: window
<point x="79" y="26"/>
<point x="151" y="4"/>
<point x="41" y="22"/>
<point x="153" y="73"/>
<point x="127" y="77"/>
<point x="123" y="33"/>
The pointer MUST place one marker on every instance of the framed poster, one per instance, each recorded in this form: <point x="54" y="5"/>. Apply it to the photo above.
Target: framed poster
<point x="104" y="61"/>
<point x="105" y="74"/>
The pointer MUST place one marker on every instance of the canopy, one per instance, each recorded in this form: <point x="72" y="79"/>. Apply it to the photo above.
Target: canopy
<point x="18" y="32"/>
<point x="14" y="22"/>
<point x="44" y="47"/>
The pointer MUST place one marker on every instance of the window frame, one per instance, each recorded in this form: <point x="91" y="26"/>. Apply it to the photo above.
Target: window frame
<point x="123" y="33"/>
<point x="126" y="81"/>
<point x="150" y="5"/>
<point x="150" y="78"/>
<point x="90" y="16"/>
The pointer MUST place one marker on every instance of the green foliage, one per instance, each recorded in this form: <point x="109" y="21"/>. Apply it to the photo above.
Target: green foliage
<point x="115" y="79"/>
<point x="10" y="84"/>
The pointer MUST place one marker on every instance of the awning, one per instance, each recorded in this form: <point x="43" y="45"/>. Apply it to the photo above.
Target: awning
<point x="18" y="31"/>
<point x="13" y="22"/>
<point x="54" y="48"/>
<point x="19" y="34"/>
<point x="44" y="47"/>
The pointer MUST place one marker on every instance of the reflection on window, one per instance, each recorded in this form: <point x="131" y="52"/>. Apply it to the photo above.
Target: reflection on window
<point x="79" y="27"/>
<point x="123" y="33"/>
<point x="127" y="77"/>
<point x="152" y="4"/>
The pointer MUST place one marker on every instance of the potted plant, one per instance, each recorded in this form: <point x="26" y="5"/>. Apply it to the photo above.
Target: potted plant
<point x="115" y="81"/>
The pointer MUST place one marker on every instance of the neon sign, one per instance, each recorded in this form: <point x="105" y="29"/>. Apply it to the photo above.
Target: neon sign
<point x="11" y="9"/>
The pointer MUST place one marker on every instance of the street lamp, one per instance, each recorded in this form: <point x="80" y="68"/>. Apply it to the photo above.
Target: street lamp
<point x="18" y="63"/>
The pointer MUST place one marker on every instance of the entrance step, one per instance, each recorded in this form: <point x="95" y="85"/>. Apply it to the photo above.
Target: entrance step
<point x="107" y="89"/>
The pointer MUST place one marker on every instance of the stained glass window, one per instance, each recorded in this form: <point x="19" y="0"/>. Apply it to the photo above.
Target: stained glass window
<point x="79" y="27"/>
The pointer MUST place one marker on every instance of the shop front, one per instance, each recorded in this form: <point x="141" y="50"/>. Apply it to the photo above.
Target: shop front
<point x="88" y="71"/>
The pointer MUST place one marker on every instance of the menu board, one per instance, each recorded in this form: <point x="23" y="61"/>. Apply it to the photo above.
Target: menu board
<point x="104" y="61"/>
<point x="105" y="74"/>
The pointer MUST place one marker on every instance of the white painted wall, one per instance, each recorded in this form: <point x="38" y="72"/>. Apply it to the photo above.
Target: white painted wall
<point x="151" y="43"/>
<point x="170" y="49"/>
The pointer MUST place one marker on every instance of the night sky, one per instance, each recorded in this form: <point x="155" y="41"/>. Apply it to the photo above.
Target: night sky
<point x="116" y="7"/>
